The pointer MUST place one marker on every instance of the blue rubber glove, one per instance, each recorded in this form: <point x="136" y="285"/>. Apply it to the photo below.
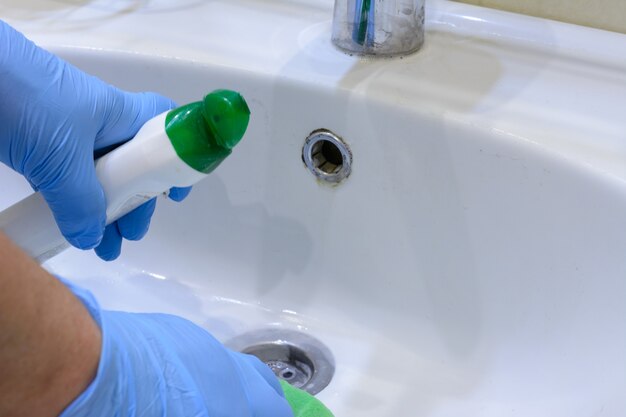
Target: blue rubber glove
<point x="53" y="117"/>
<point x="163" y="365"/>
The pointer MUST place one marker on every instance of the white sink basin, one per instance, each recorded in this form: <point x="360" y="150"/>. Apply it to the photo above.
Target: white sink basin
<point x="474" y="262"/>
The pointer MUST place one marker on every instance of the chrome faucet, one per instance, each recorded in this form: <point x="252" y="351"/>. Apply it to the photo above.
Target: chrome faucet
<point x="378" y="27"/>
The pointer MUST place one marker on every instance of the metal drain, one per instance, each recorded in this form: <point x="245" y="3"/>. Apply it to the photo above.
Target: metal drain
<point x="299" y="359"/>
<point x="327" y="156"/>
<point x="286" y="360"/>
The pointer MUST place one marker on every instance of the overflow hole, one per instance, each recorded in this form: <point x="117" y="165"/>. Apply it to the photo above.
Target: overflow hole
<point x="327" y="156"/>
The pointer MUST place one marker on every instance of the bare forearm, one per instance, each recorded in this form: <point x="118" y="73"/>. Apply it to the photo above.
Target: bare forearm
<point x="49" y="344"/>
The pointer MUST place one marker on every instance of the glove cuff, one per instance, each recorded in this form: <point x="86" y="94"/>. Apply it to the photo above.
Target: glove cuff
<point x="99" y="397"/>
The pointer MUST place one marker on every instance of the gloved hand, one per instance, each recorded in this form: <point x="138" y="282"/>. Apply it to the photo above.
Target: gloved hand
<point x="53" y="117"/>
<point x="163" y="365"/>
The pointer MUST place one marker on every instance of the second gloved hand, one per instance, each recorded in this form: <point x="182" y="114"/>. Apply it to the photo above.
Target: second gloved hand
<point x="163" y="365"/>
<point x="53" y="117"/>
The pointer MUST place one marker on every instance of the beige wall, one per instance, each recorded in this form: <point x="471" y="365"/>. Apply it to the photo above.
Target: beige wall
<point x="603" y="14"/>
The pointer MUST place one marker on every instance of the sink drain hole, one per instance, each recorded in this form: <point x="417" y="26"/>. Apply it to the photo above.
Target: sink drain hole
<point x="286" y="361"/>
<point x="287" y="374"/>
<point x="327" y="156"/>
<point x="299" y="359"/>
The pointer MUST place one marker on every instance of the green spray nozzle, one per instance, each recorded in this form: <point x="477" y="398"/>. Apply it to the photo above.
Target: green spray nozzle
<point x="203" y="133"/>
<point x="227" y="115"/>
<point x="302" y="403"/>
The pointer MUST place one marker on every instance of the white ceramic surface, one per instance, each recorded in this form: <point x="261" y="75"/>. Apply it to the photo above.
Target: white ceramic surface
<point x="601" y="14"/>
<point x="472" y="265"/>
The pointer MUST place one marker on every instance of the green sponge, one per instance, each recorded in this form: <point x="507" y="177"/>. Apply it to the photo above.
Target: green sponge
<point x="304" y="404"/>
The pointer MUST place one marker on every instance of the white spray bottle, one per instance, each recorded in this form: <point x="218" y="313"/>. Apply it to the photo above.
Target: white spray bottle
<point x="177" y="148"/>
